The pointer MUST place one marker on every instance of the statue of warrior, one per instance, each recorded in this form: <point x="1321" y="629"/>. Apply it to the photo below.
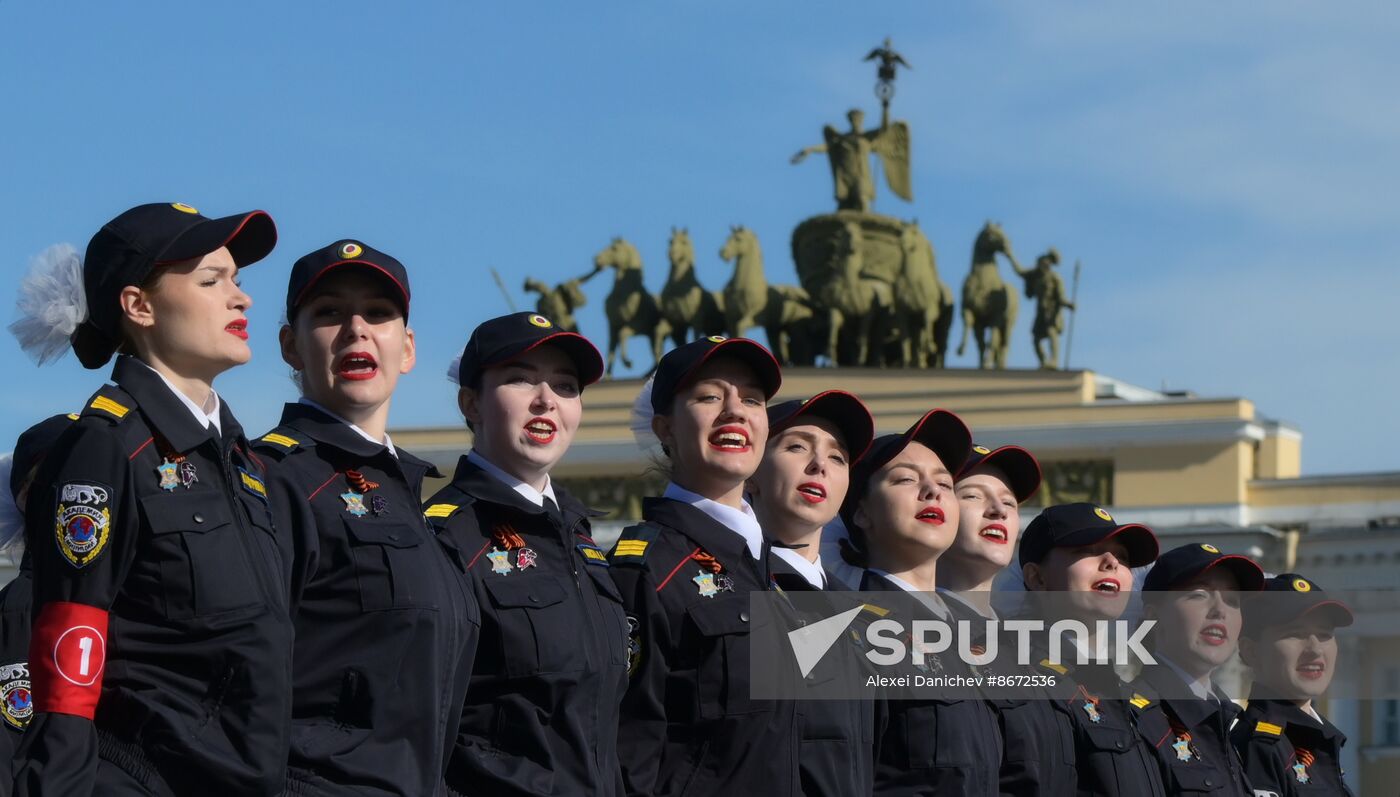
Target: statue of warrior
<point x="1048" y="290"/>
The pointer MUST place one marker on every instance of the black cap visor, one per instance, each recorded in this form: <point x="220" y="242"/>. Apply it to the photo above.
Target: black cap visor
<point x="770" y="375"/>
<point x="1137" y="539"/>
<point x="576" y="347"/>
<point x="846" y="412"/>
<point x="1246" y="572"/>
<point x="249" y="237"/>
<point x="1020" y="466"/>
<point x="398" y="292"/>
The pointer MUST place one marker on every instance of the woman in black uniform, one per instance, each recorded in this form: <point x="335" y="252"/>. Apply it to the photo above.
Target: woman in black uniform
<point x="798" y="489"/>
<point x="1036" y="761"/>
<point x="1194" y="593"/>
<point x="17" y="598"/>
<point x="541" y="708"/>
<point x="902" y="514"/>
<point x="688" y="723"/>
<point x="1290" y="643"/>
<point x="1079" y="561"/>
<point x="161" y="654"/>
<point x="370" y="574"/>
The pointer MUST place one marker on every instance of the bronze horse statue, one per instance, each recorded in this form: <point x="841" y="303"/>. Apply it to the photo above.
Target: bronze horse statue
<point x="989" y="305"/>
<point x="748" y="301"/>
<point x="685" y="304"/>
<point x="858" y="308"/>
<point x="923" y="303"/>
<point x="631" y="310"/>
<point x="559" y="303"/>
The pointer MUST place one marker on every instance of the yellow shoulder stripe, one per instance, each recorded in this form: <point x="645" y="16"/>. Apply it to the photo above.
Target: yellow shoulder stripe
<point x="594" y="554"/>
<point x="72" y="416"/>
<point x="281" y="440"/>
<point x="1059" y="668"/>
<point x="631" y="547"/>
<point x="1139" y="701"/>
<point x="1269" y="728"/>
<point x="440" y="510"/>
<point x="878" y="611"/>
<point x="109" y="406"/>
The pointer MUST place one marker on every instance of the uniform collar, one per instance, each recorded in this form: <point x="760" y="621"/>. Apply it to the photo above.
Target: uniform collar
<point x="387" y="442"/>
<point x="326" y="428"/>
<point x="741" y="521"/>
<point x="880" y="580"/>
<point x="525" y="491"/>
<point x="794" y="563"/>
<point x="956" y="601"/>
<point x="1288" y="714"/>
<point x="475" y="482"/>
<point x="169" y="411"/>
<point x="713" y="536"/>
<point x="208" y="415"/>
<point x="1167" y="680"/>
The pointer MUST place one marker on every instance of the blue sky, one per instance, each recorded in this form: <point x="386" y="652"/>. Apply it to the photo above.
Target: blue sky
<point x="1226" y="173"/>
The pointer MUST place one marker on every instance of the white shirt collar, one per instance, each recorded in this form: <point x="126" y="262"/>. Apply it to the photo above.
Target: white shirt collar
<point x="929" y="599"/>
<point x="740" y="521"/>
<point x="204" y="416"/>
<point x="1201" y="689"/>
<point x="811" y="571"/>
<point x="386" y="442"/>
<point x="527" y="492"/>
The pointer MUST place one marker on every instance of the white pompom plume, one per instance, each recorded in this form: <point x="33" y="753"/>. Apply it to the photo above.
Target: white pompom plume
<point x="51" y="303"/>
<point x="640" y="421"/>
<point x="11" y="519"/>
<point x="454" y="371"/>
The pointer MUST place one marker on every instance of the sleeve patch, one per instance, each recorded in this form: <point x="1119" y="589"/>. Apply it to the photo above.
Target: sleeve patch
<point x="280" y="439"/>
<point x="16" y="699"/>
<point x="1269" y="728"/>
<point x="68" y="654"/>
<point x="83" y="521"/>
<point x="592" y="555"/>
<point x="440" y="510"/>
<point x="110" y="407"/>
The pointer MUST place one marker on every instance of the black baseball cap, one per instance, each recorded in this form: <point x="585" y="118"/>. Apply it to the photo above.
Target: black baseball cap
<point x="33" y="445"/>
<point x="1191" y="560"/>
<point x="847" y="412"/>
<point x="679" y="366"/>
<point x="1020" y="466"/>
<point x="504" y="338"/>
<point x="129" y="247"/>
<point x="1287" y="597"/>
<point x="345" y="253"/>
<point x="941" y="431"/>
<point x="1074" y="525"/>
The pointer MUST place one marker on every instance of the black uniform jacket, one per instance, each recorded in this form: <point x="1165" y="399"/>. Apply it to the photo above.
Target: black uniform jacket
<point x="385" y="622"/>
<point x="936" y="746"/>
<point x="16" y="699"/>
<point x="1190" y="736"/>
<point x="1037" y="731"/>
<point x="689" y="725"/>
<point x="837" y="754"/>
<point x="142" y="520"/>
<point x="1110" y="757"/>
<point x="551" y="665"/>
<point x="1288" y="753"/>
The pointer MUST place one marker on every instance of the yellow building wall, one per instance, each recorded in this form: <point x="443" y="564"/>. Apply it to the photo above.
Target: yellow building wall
<point x="1279" y="457"/>
<point x="1182" y="475"/>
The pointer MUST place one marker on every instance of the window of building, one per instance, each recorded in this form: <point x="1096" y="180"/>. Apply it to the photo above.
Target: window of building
<point x="1388" y="711"/>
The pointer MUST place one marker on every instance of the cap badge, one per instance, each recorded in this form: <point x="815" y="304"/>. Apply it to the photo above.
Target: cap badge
<point x="982" y="450"/>
<point x="716" y="338"/>
<point x="351" y="249"/>
<point x="540" y="321"/>
<point x="1301" y="585"/>
<point x="183" y="208"/>
<point x="1103" y="514"/>
<point x="1208" y="548"/>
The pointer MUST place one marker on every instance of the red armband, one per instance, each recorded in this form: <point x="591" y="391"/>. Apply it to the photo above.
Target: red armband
<point x="66" y="657"/>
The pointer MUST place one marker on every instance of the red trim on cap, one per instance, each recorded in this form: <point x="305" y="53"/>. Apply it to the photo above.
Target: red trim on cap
<point x="403" y="292"/>
<point x="777" y="367"/>
<point x="1254" y="568"/>
<point x="1156" y="546"/>
<point x="553" y="336"/>
<point x="1351" y="617"/>
<point x="987" y="458"/>
<point x="67" y="656"/>
<point x="236" y="230"/>
<point x="791" y="420"/>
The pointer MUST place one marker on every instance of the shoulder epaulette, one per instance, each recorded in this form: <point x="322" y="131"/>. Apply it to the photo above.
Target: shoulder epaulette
<point x="441" y="511"/>
<point x="73" y="416"/>
<point x="878" y="611"/>
<point x="1050" y="665"/>
<point x="634" y="544"/>
<point x="109" y="403"/>
<point x="1140" y="702"/>
<point x="1268" y="729"/>
<point x="279" y="441"/>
